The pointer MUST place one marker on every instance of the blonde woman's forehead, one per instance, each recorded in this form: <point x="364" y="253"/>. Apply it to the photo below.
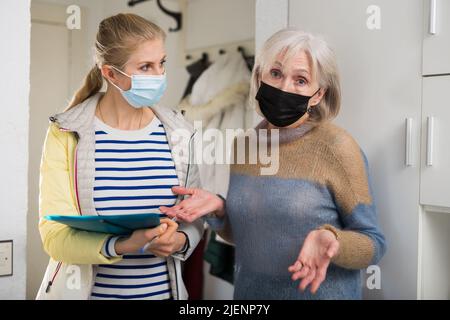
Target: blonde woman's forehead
<point x="151" y="51"/>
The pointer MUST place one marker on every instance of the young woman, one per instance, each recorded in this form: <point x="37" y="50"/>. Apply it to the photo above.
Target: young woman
<point x="315" y="219"/>
<point x="116" y="153"/>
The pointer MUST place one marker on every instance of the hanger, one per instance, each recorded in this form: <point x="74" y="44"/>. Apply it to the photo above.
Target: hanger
<point x="250" y="60"/>
<point x="204" y="58"/>
<point x="175" y="15"/>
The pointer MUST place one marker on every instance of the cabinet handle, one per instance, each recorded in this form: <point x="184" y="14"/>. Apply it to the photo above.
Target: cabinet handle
<point x="408" y="151"/>
<point x="430" y="142"/>
<point x="433" y="17"/>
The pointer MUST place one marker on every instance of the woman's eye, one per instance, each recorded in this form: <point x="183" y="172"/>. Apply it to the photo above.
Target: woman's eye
<point x="275" y="73"/>
<point x="145" y="67"/>
<point x="163" y="63"/>
<point x="302" y="82"/>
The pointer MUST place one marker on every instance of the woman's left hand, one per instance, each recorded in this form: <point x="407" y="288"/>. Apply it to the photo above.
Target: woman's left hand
<point x="319" y="248"/>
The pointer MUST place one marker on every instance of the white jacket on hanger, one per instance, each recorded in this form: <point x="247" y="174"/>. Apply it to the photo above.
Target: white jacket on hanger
<point x="219" y="99"/>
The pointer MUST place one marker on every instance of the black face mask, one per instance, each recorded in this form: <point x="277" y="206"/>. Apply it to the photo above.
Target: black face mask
<point x="279" y="107"/>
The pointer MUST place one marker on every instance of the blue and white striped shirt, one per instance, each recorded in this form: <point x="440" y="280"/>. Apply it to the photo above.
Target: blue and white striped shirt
<point x="134" y="173"/>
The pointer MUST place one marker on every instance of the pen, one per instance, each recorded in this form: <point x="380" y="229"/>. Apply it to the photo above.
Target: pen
<point x="148" y="244"/>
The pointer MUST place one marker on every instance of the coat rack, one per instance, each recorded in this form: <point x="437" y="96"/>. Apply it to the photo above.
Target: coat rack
<point x="245" y="47"/>
<point x="175" y="15"/>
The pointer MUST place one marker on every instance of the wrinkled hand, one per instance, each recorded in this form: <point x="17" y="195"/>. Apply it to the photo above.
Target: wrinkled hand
<point x="319" y="248"/>
<point x="200" y="203"/>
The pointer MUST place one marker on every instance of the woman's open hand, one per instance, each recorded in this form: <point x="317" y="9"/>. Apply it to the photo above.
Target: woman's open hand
<point x="199" y="203"/>
<point x="319" y="248"/>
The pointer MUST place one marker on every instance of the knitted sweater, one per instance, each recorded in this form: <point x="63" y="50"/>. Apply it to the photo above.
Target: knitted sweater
<point x="322" y="180"/>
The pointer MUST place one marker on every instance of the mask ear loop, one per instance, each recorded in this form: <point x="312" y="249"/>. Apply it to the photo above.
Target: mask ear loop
<point x="117" y="69"/>
<point x="117" y="87"/>
<point x="310" y="109"/>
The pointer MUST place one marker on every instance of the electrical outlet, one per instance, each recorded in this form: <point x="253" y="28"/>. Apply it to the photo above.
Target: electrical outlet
<point x="6" y="258"/>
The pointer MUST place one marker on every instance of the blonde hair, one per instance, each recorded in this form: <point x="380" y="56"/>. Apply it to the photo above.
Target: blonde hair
<point x="291" y="41"/>
<point x="117" y="38"/>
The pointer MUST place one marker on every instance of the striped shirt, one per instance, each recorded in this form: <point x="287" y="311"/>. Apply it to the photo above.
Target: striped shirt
<point x="134" y="173"/>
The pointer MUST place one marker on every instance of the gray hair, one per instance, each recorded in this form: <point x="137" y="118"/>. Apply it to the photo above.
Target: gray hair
<point x="291" y="41"/>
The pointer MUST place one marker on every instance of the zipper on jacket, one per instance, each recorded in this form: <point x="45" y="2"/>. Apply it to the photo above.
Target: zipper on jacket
<point x="176" y="278"/>
<point x="191" y="139"/>
<point x="181" y="197"/>
<point x="75" y="178"/>
<point x="185" y="185"/>
<point x="50" y="283"/>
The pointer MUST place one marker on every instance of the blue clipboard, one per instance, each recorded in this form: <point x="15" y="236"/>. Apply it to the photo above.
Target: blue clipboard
<point x="115" y="224"/>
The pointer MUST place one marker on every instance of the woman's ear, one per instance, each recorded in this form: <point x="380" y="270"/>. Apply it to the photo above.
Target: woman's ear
<point x="108" y="72"/>
<point x="317" y="97"/>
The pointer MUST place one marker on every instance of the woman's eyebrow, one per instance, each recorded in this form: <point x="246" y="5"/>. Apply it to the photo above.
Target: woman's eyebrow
<point x="278" y="63"/>
<point x="300" y="71"/>
<point x="149" y="62"/>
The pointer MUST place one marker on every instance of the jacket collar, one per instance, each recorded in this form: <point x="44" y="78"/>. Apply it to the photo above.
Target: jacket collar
<point x="80" y="118"/>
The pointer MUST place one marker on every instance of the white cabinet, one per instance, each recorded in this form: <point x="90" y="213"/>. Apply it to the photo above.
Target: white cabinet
<point x="383" y="49"/>
<point x="435" y="166"/>
<point x="434" y="254"/>
<point x="436" y="42"/>
<point x="434" y="219"/>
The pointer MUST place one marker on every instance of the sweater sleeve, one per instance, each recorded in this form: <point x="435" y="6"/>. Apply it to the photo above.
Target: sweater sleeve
<point x="61" y="242"/>
<point x="360" y="238"/>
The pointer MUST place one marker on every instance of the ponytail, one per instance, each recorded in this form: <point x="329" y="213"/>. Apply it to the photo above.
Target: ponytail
<point x="92" y="84"/>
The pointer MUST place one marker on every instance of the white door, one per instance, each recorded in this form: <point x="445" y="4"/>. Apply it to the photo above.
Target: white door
<point x="51" y="67"/>
<point x="435" y="175"/>
<point x="378" y="45"/>
<point x="436" y="42"/>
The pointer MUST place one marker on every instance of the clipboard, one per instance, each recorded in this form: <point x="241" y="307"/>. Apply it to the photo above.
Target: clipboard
<point x="114" y="224"/>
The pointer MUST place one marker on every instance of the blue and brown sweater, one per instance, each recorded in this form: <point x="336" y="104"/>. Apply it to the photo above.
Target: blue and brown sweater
<point x="322" y="180"/>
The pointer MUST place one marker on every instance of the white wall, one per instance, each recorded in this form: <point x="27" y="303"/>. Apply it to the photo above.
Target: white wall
<point x="271" y="16"/>
<point x="92" y="12"/>
<point x="215" y="22"/>
<point x="14" y="89"/>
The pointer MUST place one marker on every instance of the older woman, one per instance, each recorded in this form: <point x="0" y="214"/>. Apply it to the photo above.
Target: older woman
<point x="315" y="219"/>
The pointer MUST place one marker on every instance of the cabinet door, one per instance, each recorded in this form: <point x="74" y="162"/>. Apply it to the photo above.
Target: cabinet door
<point x="381" y="87"/>
<point x="435" y="174"/>
<point x="436" y="42"/>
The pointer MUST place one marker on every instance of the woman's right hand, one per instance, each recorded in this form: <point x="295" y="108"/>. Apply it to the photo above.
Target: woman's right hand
<point x="200" y="203"/>
<point x="139" y="239"/>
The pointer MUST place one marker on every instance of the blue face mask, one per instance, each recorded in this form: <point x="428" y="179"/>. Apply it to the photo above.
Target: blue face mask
<point x="146" y="90"/>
